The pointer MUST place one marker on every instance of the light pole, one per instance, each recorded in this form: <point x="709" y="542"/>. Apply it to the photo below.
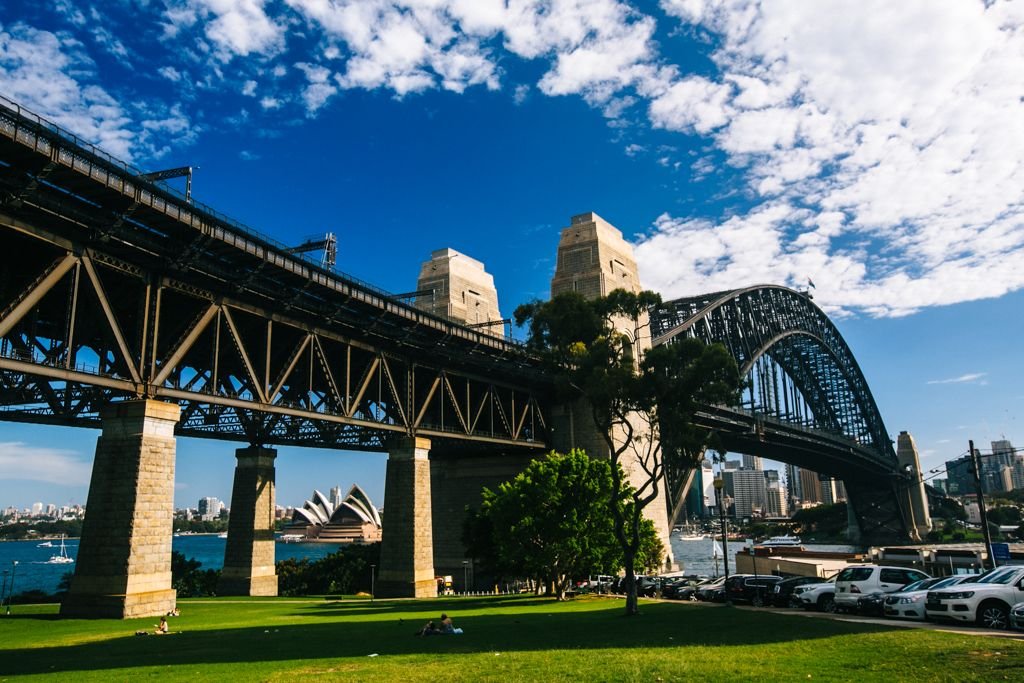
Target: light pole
<point x="3" y="593"/>
<point x="465" y="575"/>
<point x="373" y="571"/>
<point x="720" y="498"/>
<point x="10" y="592"/>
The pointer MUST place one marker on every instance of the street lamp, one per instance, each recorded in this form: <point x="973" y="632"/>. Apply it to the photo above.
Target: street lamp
<point x="10" y="593"/>
<point x="720" y="498"/>
<point x="3" y="592"/>
<point x="465" y="575"/>
<point x="373" y="570"/>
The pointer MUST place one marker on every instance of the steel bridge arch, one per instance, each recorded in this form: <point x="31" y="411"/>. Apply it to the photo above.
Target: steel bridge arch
<point x="786" y="326"/>
<point x="801" y="375"/>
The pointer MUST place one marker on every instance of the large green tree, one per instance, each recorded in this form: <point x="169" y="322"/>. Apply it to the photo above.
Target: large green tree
<point x="551" y="523"/>
<point x="642" y="403"/>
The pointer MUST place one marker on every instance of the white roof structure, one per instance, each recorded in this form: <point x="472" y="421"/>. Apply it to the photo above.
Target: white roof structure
<point x="356" y="505"/>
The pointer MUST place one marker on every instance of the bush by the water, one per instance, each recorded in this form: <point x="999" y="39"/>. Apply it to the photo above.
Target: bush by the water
<point x="190" y="579"/>
<point x="346" y="571"/>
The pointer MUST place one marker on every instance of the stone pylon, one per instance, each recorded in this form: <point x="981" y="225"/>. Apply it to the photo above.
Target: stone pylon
<point x="123" y="568"/>
<point x="594" y="260"/>
<point x="915" y="498"/>
<point x="249" y="553"/>
<point x="462" y="291"/>
<point x="407" y="542"/>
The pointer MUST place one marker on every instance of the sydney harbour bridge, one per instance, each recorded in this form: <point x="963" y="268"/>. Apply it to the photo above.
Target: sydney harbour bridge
<point x="129" y="307"/>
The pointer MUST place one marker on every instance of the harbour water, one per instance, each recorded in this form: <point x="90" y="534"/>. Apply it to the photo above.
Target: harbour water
<point x="33" y="572"/>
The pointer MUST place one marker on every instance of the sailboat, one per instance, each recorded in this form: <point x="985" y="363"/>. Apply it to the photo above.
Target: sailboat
<point x="716" y="553"/>
<point x="63" y="558"/>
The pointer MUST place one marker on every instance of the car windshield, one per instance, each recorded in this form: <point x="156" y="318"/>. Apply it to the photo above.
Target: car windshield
<point x="919" y="585"/>
<point x="855" y="574"/>
<point x="947" y="582"/>
<point x="1002" y="578"/>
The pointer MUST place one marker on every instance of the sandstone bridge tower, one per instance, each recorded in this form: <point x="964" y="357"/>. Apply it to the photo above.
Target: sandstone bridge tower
<point x="594" y="260"/>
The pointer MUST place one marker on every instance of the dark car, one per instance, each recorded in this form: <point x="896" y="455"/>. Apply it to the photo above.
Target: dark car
<point x="646" y="587"/>
<point x="750" y="588"/>
<point x="713" y="591"/>
<point x="681" y="589"/>
<point x="872" y="604"/>
<point x="782" y="593"/>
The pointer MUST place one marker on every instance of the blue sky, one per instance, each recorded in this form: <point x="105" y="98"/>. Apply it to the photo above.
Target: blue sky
<point x="733" y="141"/>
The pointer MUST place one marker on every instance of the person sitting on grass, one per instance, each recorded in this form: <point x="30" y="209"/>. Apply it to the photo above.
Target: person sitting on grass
<point x="446" y="624"/>
<point x="161" y="628"/>
<point x="429" y="629"/>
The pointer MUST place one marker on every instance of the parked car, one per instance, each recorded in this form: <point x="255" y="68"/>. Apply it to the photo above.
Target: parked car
<point x="783" y="592"/>
<point x="679" y="589"/>
<point x="986" y="601"/>
<point x="871" y="604"/>
<point x="750" y="588"/>
<point x="1017" y="616"/>
<point x="854" y="582"/>
<point x="909" y="602"/>
<point x="712" y="591"/>
<point x="820" y="597"/>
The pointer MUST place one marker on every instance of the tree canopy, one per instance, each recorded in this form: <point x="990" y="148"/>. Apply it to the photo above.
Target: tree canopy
<point x="551" y="523"/>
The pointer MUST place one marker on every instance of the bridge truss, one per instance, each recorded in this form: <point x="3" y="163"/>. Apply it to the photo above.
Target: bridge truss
<point x="117" y="287"/>
<point x="806" y="401"/>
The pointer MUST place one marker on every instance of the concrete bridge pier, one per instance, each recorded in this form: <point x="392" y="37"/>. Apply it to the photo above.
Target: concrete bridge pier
<point x="123" y="567"/>
<point x="249" y="552"/>
<point x="407" y="541"/>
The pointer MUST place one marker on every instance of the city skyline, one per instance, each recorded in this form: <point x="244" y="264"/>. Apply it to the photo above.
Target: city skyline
<point x="883" y="179"/>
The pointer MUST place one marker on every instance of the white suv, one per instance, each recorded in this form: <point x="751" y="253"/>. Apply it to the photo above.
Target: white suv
<point x="819" y="596"/>
<point x="986" y="601"/>
<point x="856" y="582"/>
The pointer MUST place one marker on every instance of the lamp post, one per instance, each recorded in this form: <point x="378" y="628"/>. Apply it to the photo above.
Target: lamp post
<point x="3" y="592"/>
<point x="373" y="571"/>
<point x="465" y="577"/>
<point x="10" y="592"/>
<point x="720" y="498"/>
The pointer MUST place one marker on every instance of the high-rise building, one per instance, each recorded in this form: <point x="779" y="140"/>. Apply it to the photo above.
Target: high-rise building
<point x="335" y="496"/>
<point x="958" y="474"/>
<point x="810" y="487"/>
<point x="37" y="509"/>
<point x="793" y="487"/>
<point x="747" y="490"/>
<point x="752" y="462"/>
<point x="209" y="508"/>
<point x="775" y="498"/>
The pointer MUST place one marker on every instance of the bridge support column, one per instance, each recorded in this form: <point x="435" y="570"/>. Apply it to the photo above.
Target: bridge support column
<point x="123" y="568"/>
<point x="407" y="542"/>
<point x="249" y="552"/>
<point x="915" y="500"/>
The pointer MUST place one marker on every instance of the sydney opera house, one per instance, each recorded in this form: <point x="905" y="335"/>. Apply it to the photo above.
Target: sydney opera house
<point x="352" y="519"/>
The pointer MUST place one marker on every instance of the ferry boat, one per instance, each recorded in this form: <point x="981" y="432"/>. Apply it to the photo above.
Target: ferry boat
<point x="62" y="557"/>
<point x="782" y="542"/>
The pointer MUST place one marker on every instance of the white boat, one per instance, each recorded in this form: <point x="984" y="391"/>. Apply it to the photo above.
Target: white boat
<point x="782" y="542"/>
<point x="292" y="538"/>
<point x="223" y="534"/>
<point x="691" y="537"/>
<point x="45" y="544"/>
<point x="63" y="558"/>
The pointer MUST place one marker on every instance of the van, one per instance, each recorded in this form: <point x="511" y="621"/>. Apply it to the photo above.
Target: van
<point x="854" y="582"/>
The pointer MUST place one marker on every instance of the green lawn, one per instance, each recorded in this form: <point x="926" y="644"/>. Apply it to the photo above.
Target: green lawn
<point x="506" y="639"/>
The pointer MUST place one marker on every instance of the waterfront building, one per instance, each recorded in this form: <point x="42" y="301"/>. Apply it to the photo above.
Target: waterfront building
<point x="353" y="520"/>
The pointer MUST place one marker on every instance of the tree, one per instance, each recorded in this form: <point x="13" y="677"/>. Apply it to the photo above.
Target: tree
<point x="190" y="580"/>
<point x="551" y="523"/>
<point x="642" y="403"/>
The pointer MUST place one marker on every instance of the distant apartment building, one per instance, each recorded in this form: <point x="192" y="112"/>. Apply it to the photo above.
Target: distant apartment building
<point x="209" y="508"/>
<point x="752" y="462"/>
<point x="748" y="492"/>
<point x="776" y="504"/>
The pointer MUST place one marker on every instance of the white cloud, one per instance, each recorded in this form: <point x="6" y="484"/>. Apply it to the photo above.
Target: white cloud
<point x="249" y="88"/>
<point x="969" y="378"/>
<point x="20" y="461"/>
<point x="903" y="155"/>
<point x="235" y="27"/>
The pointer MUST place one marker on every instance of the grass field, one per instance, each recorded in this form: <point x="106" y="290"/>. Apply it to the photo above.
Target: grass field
<point x="506" y="639"/>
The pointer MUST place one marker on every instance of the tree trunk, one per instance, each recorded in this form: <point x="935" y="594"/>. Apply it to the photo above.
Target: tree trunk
<point x="632" y="604"/>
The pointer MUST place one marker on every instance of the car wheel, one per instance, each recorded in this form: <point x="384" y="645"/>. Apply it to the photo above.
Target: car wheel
<point x="758" y="601"/>
<point x="993" y="615"/>
<point x="827" y="604"/>
<point x="693" y="597"/>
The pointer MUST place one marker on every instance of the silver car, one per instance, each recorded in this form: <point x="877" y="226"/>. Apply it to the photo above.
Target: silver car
<point x="1017" y="616"/>
<point x="909" y="602"/>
